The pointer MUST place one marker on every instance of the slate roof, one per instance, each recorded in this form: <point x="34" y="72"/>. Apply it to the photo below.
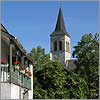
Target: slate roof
<point x="70" y="65"/>
<point x="60" y="28"/>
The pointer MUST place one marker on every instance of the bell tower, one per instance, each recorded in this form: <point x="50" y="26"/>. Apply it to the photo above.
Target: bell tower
<point x="60" y="41"/>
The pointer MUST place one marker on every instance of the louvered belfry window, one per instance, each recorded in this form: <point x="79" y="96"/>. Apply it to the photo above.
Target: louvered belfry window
<point x="67" y="46"/>
<point x="55" y="45"/>
<point x="60" y="45"/>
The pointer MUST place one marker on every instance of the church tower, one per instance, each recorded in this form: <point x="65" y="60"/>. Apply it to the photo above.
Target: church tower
<point x="60" y="41"/>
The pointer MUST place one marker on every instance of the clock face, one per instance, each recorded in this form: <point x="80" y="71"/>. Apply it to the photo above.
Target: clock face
<point x="56" y="56"/>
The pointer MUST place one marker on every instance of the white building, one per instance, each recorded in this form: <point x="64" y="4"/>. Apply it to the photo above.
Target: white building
<point x="16" y="69"/>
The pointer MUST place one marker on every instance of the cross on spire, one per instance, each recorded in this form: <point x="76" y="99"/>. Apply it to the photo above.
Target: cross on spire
<point x="60" y="3"/>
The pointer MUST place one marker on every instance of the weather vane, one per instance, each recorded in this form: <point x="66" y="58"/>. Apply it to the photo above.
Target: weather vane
<point x="60" y="3"/>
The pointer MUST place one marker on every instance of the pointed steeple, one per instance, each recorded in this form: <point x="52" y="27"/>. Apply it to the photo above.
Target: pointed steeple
<point x="60" y="25"/>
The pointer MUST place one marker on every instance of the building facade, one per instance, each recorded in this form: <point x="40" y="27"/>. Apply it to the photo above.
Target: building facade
<point x="16" y="69"/>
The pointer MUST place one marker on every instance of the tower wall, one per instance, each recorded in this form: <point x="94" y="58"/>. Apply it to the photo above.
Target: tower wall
<point x="67" y="54"/>
<point x="57" y="38"/>
<point x="60" y="55"/>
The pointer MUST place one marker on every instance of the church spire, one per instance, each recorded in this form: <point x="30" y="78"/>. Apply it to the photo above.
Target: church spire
<point x="60" y="25"/>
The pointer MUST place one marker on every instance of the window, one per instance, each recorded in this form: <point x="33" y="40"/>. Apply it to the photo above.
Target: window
<point x="55" y="46"/>
<point x="67" y="46"/>
<point x="60" y="45"/>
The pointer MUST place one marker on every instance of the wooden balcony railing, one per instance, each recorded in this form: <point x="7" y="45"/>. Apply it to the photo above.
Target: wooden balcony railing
<point x="20" y="79"/>
<point x="16" y="77"/>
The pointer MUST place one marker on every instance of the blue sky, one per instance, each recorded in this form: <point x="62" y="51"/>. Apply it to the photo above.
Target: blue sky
<point x="33" y="22"/>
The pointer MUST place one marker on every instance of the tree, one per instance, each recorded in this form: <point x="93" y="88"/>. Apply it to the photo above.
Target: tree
<point x="39" y="57"/>
<point x="76" y="86"/>
<point x="37" y="53"/>
<point x="87" y="52"/>
<point x="52" y="81"/>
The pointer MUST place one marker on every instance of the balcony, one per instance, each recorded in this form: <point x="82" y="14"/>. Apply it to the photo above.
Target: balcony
<point x="15" y="76"/>
<point x="27" y="83"/>
<point x="20" y="79"/>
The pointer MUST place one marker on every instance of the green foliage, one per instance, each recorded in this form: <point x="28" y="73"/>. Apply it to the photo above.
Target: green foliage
<point x="51" y="78"/>
<point x="77" y="86"/>
<point x="87" y="52"/>
<point x="52" y="81"/>
<point x="39" y="57"/>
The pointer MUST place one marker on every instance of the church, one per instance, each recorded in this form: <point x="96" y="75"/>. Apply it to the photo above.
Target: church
<point x="60" y="44"/>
